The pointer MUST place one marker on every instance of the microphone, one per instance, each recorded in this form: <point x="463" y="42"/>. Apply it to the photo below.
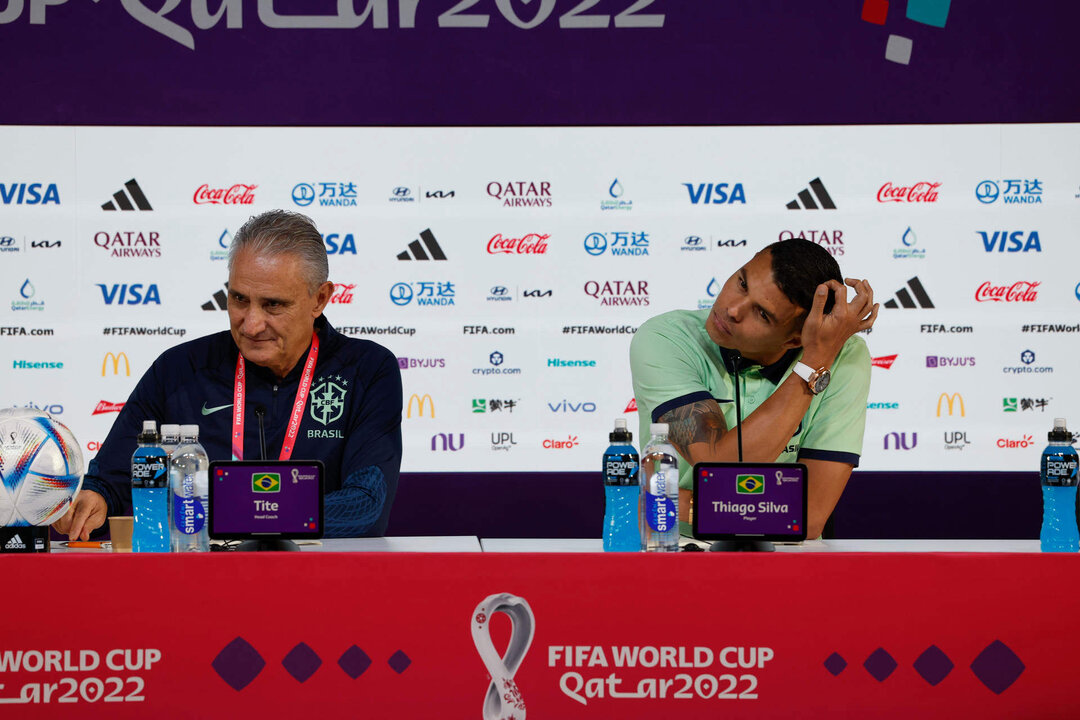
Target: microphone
<point x="735" y="358"/>
<point x="260" y="411"/>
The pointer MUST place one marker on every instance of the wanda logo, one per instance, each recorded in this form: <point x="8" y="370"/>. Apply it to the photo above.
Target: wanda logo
<point x="342" y="294"/>
<point x="1022" y="291"/>
<point x="238" y="194"/>
<point x="919" y="192"/>
<point x="531" y="244"/>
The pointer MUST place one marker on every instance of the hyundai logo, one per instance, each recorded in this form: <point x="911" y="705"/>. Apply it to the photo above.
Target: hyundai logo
<point x="498" y="291"/>
<point x="401" y="191"/>
<point x="496" y="358"/>
<point x="692" y="241"/>
<point x="303" y="194"/>
<point x="987" y="192"/>
<point x="595" y="243"/>
<point x="401" y="294"/>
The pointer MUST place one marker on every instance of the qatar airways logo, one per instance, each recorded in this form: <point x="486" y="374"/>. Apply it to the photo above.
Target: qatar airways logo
<point x="238" y="194"/>
<point x="521" y="193"/>
<point x="531" y="244"/>
<point x="920" y="192"/>
<point x="1021" y="291"/>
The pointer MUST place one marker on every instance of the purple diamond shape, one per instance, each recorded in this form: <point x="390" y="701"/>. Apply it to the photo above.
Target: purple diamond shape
<point x="933" y="665"/>
<point x="301" y="662"/>
<point x="880" y="665"/>
<point x="398" y="662"/>
<point x="238" y="664"/>
<point x="354" y="662"/>
<point x="997" y="667"/>
<point x="835" y="664"/>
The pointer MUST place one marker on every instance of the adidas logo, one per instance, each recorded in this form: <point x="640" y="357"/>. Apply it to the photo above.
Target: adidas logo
<point x="15" y="543"/>
<point x="417" y="251"/>
<point x="808" y="201"/>
<point x="905" y="297"/>
<point x="220" y="301"/>
<point x="123" y="200"/>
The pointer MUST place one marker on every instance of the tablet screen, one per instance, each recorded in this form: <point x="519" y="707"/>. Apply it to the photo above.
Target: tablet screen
<point x="264" y="498"/>
<point x="742" y="500"/>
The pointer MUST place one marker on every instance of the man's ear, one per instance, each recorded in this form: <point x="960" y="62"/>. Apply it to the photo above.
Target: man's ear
<point x="795" y="340"/>
<point x="322" y="297"/>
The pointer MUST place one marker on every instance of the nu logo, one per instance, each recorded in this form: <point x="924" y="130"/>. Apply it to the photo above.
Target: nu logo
<point x="421" y="403"/>
<point x="417" y="249"/>
<point x="904" y="297"/>
<point x="900" y="441"/>
<point x="808" y="201"/>
<point x="116" y="358"/>
<point x="123" y="201"/>
<point x="448" y="441"/>
<point x="951" y="400"/>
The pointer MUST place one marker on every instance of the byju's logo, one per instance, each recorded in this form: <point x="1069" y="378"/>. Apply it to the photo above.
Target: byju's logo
<point x="920" y="192"/>
<point x="899" y="441"/>
<point x="408" y="363"/>
<point x="715" y="193"/>
<point x="521" y="193"/>
<point x="429" y="293"/>
<point x="942" y="361"/>
<point x="831" y="240"/>
<point x="328" y="194"/>
<point x="123" y="200"/>
<point x="133" y="294"/>
<point x="338" y="244"/>
<point x="903" y="297"/>
<point x="1014" y="191"/>
<point x="1005" y="241"/>
<point x="618" y="242"/>
<point x="619" y="292"/>
<point x="29" y="194"/>
<point x="530" y="244"/>
<point x="616" y="192"/>
<point x="1020" y="291"/>
<point x="805" y="201"/>
<point x="416" y="250"/>
<point x="909" y="251"/>
<point x="129" y="244"/>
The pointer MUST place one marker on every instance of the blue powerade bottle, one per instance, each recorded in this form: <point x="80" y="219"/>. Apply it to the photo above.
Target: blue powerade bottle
<point x="621" y="492"/>
<point x="1058" y="471"/>
<point x="150" y="493"/>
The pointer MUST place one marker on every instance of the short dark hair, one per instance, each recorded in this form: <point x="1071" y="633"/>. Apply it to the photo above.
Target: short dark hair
<point x="799" y="266"/>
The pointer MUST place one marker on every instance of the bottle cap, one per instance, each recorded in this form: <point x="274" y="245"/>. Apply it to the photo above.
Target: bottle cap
<point x="170" y="429"/>
<point x="149" y="432"/>
<point x="620" y="433"/>
<point x="189" y="431"/>
<point x="149" y="426"/>
<point x="1059" y="433"/>
<point x="658" y="429"/>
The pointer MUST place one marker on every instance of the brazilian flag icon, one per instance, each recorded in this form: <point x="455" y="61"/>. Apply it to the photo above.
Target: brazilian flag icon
<point x="266" y="483"/>
<point x="749" y="484"/>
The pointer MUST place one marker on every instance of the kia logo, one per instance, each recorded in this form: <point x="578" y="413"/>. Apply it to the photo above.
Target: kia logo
<point x="987" y="191"/>
<point x="401" y="191"/>
<point x="498" y="290"/>
<point x="401" y="294"/>
<point x="303" y="194"/>
<point x="595" y="244"/>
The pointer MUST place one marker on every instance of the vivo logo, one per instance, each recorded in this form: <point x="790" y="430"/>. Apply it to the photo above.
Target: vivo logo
<point x="567" y="406"/>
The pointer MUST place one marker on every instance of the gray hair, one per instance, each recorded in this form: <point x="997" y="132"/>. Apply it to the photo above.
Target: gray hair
<point x="279" y="232"/>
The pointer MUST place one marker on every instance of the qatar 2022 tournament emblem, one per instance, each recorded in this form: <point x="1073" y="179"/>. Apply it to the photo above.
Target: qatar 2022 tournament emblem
<point x="503" y="700"/>
<point x="328" y="399"/>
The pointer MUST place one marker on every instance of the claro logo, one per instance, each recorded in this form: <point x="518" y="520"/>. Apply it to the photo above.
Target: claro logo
<point x="421" y="401"/>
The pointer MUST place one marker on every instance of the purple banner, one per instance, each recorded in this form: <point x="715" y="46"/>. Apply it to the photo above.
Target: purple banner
<point x="537" y="62"/>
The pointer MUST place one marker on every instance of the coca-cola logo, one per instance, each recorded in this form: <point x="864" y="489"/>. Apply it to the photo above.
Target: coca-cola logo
<point x="238" y="194"/>
<point x="531" y="244"/>
<point x="1021" y="291"/>
<point x="342" y="294"/>
<point x="919" y="192"/>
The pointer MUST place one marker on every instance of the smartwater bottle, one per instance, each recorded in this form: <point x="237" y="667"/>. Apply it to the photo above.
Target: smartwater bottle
<point x="150" y="493"/>
<point x="189" y="487"/>
<point x="659" y="509"/>
<point x="621" y="492"/>
<point x="170" y="438"/>
<point x="1058" y="471"/>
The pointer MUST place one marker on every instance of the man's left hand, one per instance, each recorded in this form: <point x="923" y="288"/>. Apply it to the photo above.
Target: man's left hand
<point x="824" y="334"/>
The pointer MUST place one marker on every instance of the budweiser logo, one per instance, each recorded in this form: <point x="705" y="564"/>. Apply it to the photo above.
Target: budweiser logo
<point x="885" y="361"/>
<point x="1022" y="291"/>
<point x="107" y="407"/>
<point x="342" y="294"/>
<point x="531" y="244"/>
<point x="236" y="195"/>
<point x="919" y="192"/>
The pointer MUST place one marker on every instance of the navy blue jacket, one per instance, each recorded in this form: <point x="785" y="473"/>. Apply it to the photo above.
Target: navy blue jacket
<point x="352" y="421"/>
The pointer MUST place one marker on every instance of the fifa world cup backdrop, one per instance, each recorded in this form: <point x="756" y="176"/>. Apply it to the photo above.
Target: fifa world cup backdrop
<point x="507" y="190"/>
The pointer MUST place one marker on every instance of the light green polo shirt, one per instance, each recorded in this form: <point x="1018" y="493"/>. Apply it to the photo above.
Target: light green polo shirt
<point x="674" y="362"/>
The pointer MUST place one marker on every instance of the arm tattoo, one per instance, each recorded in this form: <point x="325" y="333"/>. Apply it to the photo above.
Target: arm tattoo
<point x="699" y="422"/>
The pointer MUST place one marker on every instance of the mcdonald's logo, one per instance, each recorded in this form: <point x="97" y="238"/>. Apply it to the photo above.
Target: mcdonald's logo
<point x="116" y="358"/>
<point x="421" y="402"/>
<point x="951" y="400"/>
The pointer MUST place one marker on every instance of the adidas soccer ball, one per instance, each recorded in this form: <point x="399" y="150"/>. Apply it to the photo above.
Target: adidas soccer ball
<point x="41" y="468"/>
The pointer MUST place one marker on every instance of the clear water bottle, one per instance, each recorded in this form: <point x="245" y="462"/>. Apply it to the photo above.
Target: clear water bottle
<point x="170" y="438"/>
<point x="189" y="486"/>
<point x="150" y="492"/>
<point x="621" y="492"/>
<point x="659" y="509"/>
<point x="1058" y="471"/>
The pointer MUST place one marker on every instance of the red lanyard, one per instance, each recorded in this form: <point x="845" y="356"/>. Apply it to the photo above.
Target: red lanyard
<point x="240" y="388"/>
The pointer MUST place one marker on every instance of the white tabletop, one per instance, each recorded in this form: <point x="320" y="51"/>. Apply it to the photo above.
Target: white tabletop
<point x="448" y="543"/>
<point x="596" y="545"/>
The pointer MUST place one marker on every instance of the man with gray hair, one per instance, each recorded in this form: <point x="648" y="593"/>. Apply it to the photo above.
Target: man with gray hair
<point x="278" y="289"/>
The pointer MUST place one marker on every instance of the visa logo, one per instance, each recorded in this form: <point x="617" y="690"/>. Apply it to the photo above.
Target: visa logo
<point x="705" y="194"/>
<point x="29" y="194"/>
<point x="1016" y="241"/>
<point x="346" y="245"/>
<point x="125" y="294"/>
